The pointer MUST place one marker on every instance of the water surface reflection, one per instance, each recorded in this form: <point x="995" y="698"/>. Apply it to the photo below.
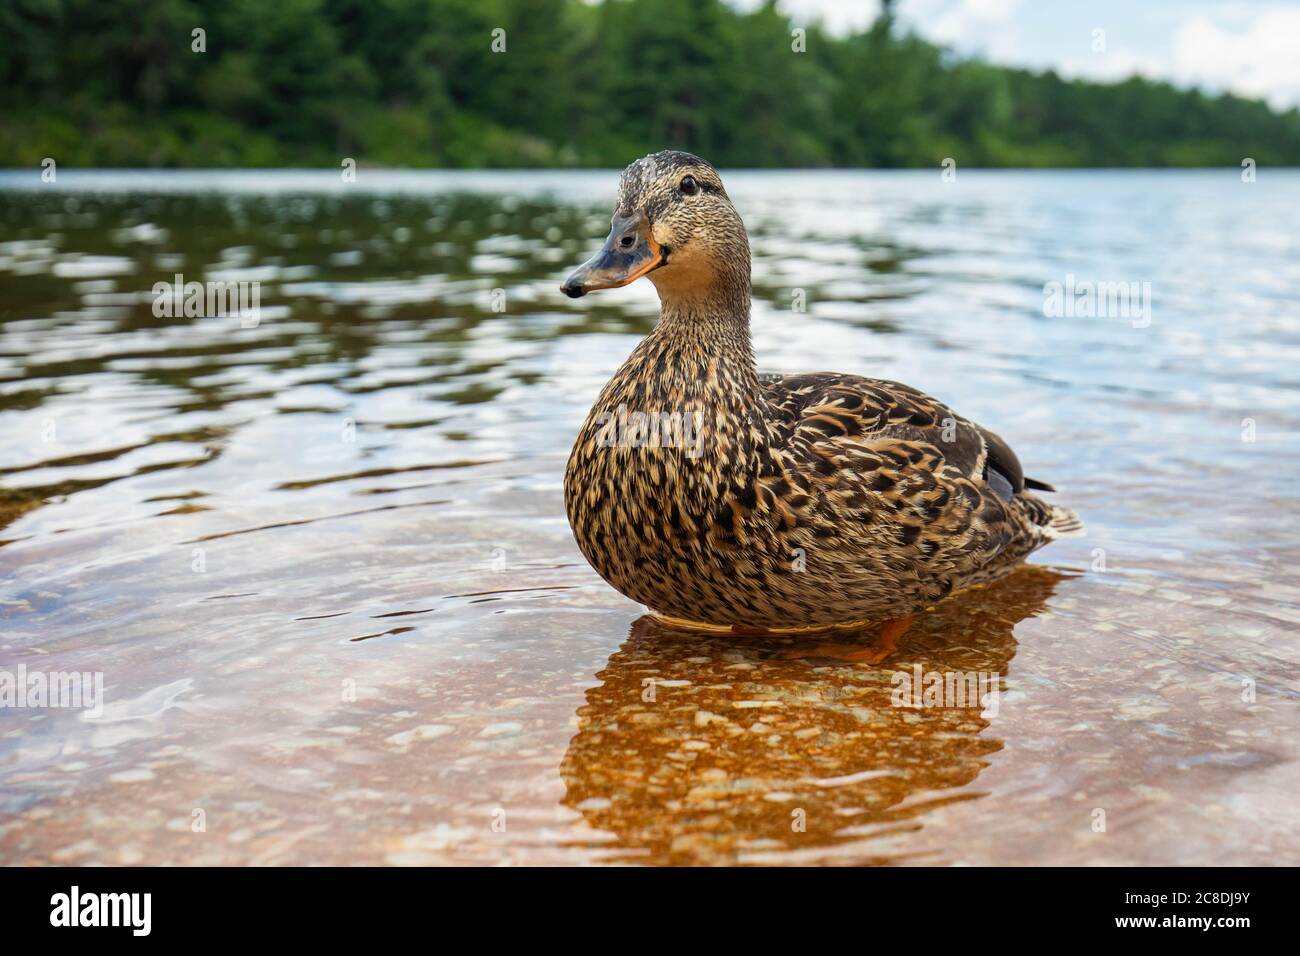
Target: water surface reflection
<point x="716" y="749"/>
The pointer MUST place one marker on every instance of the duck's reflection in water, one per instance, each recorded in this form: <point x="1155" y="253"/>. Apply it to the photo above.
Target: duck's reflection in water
<point x="717" y="749"/>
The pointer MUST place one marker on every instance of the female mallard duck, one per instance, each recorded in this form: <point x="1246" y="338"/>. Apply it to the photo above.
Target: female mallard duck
<point x="722" y="498"/>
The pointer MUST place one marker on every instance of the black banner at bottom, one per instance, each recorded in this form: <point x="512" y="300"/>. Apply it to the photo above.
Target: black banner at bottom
<point x="335" y="905"/>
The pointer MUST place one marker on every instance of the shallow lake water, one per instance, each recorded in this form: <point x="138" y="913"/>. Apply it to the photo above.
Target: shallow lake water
<point x="321" y="563"/>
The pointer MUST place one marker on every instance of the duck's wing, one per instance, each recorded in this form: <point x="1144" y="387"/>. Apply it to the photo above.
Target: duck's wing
<point x="886" y="437"/>
<point x="824" y="405"/>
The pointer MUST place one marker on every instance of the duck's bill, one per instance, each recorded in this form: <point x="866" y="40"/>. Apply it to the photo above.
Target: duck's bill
<point x="615" y="266"/>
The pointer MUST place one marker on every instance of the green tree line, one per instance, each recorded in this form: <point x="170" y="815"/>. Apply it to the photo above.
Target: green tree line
<point x="518" y="83"/>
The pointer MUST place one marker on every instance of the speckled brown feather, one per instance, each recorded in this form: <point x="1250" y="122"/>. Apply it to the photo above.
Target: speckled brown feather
<point x="806" y="500"/>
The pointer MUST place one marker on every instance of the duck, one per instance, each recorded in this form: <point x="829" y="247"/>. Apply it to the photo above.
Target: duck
<point x="726" y="499"/>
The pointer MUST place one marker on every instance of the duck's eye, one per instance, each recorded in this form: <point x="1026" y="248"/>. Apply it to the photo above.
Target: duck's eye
<point x="688" y="186"/>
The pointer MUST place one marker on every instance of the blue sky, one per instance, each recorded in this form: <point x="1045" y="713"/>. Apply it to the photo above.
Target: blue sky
<point x="1252" y="48"/>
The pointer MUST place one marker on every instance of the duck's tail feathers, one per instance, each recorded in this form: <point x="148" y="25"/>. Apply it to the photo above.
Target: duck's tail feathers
<point x="1054" y="521"/>
<point x="1064" y="523"/>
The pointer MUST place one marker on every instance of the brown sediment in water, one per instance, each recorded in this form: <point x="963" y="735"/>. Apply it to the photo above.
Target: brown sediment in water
<point x="706" y="748"/>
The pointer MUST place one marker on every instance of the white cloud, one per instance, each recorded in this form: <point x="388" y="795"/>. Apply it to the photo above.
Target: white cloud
<point x="842" y="17"/>
<point x="1254" y="52"/>
<point x="1259" y="57"/>
<point x="1249" y="48"/>
<point x="1113" y="65"/>
<point x="989" y="9"/>
<point x="987" y="27"/>
<point x="957" y="21"/>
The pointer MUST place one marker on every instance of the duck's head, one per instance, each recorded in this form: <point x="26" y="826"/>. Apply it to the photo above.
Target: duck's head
<point x="674" y="223"/>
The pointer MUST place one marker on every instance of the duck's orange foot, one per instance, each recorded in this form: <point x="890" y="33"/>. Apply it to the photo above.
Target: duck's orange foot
<point x="873" y="653"/>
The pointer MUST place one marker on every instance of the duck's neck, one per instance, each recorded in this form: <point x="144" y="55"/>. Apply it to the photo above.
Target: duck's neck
<point x="701" y="344"/>
<point x="700" y="351"/>
<point x="704" y="335"/>
<point x="697" y="367"/>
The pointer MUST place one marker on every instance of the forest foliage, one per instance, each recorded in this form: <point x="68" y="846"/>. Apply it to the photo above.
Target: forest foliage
<point x="418" y="83"/>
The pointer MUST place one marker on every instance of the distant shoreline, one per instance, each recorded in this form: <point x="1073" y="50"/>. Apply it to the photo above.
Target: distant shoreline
<point x="559" y="84"/>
